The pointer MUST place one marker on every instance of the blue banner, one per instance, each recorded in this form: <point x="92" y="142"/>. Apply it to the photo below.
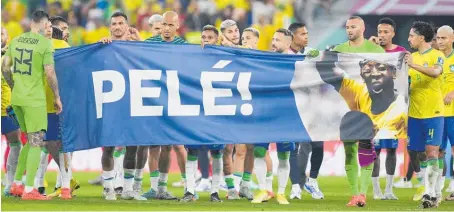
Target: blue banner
<point x="136" y="93"/>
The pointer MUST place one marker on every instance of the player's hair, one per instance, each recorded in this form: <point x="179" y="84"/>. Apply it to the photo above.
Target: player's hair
<point x="388" y="21"/>
<point x="57" y="33"/>
<point x="295" y="26"/>
<point x="211" y="28"/>
<point x="286" y="32"/>
<point x="356" y="17"/>
<point x="39" y="15"/>
<point x="118" y="14"/>
<point x="154" y="19"/>
<point x="253" y="30"/>
<point x="227" y="23"/>
<point x="446" y="27"/>
<point x="424" y="29"/>
<point x="55" y="20"/>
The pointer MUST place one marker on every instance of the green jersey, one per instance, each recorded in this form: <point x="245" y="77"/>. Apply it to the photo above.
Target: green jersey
<point x="366" y="47"/>
<point x="29" y="52"/>
<point x="158" y="39"/>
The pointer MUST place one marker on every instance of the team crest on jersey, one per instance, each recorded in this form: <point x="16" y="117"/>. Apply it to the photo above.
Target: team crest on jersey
<point x="451" y="67"/>
<point x="440" y="61"/>
<point x="426" y="65"/>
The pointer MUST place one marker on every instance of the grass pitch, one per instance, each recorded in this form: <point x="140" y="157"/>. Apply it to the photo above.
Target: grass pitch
<point x="88" y="198"/>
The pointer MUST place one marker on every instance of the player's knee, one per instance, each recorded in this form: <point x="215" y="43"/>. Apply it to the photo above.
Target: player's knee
<point x="259" y="152"/>
<point x="217" y="154"/>
<point x="108" y="151"/>
<point x="240" y="151"/>
<point x="192" y="154"/>
<point x="249" y="148"/>
<point x="283" y="155"/>
<point x="166" y="149"/>
<point x="390" y="151"/>
<point x="228" y="149"/>
<point x="36" y="139"/>
<point x="442" y="153"/>
<point x="179" y="149"/>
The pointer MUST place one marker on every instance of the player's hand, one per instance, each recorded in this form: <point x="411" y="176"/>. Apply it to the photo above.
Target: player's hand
<point x="224" y="41"/>
<point x="408" y="59"/>
<point x="313" y="53"/>
<point x="134" y="34"/>
<point x="449" y="98"/>
<point x="4" y="49"/>
<point x="58" y="106"/>
<point x="375" y="39"/>
<point x="106" y="40"/>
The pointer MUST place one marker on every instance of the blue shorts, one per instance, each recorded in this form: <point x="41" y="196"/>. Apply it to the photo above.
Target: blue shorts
<point x="208" y="146"/>
<point x="422" y="132"/>
<point x="281" y="147"/>
<point x="8" y="125"/>
<point x="386" y="143"/>
<point x="53" y="128"/>
<point x="448" y="133"/>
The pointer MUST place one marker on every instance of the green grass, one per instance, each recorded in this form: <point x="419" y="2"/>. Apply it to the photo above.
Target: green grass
<point x="89" y="199"/>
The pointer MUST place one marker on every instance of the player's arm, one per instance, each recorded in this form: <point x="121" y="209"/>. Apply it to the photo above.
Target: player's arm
<point x="449" y="98"/>
<point x="326" y="69"/>
<point x="6" y="71"/>
<point x="51" y="77"/>
<point x="434" y="71"/>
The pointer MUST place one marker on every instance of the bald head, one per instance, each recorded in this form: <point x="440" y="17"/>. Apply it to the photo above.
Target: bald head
<point x="170" y="24"/>
<point x="445" y="38"/>
<point x="355" y="28"/>
<point x="4" y="36"/>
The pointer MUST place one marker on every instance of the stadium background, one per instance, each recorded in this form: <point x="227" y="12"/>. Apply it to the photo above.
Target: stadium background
<point x="88" y="21"/>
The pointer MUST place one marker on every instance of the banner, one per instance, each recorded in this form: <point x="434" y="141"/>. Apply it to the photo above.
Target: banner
<point x="136" y="93"/>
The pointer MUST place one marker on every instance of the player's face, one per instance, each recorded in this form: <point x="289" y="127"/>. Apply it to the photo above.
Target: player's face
<point x="434" y="43"/>
<point x="249" y="40"/>
<point x="65" y="29"/>
<point x="376" y="75"/>
<point x="354" y="28"/>
<point x="48" y="30"/>
<point x="118" y="26"/>
<point x="301" y="37"/>
<point x="280" y="43"/>
<point x="4" y="37"/>
<point x="156" y="28"/>
<point x="232" y="33"/>
<point x="385" y="34"/>
<point x="444" y="40"/>
<point x="209" y="37"/>
<point x="414" y="39"/>
<point x="170" y="25"/>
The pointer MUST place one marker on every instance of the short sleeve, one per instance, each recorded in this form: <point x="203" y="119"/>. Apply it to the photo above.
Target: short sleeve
<point x="48" y="56"/>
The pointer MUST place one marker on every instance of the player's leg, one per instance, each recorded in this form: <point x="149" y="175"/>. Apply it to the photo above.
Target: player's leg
<point x="141" y="160"/>
<point x="17" y="188"/>
<point x="433" y="129"/>
<point x="416" y="148"/>
<point x="204" y="165"/>
<point x="65" y="168"/>
<point x="316" y="163"/>
<point x="129" y="167"/>
<point x="295" y="178"/>
<point x="228" y="169"/>
<point x="260" y="171"/>
<point x="108" y="173"/>
<point x="245" y="186"/>
<point x="191" y="168"/>
<point x="390" y="163"/>
<point x="154" y="153"/>
<point x="164" y="167"/>
<point x="366" y="157"/>
<point x="180" y="151"/>
<point x="12" y="133"/>
<point x="118" y="156"/>
<point x="35" y="119"/>
<point x="238" y="164"/>
<point x="269" y="175"/>
<point x="283" y="169"/>
<point x="216" y="154"/>
<point x="352" y="168"/>
<point x="376" y="171"/>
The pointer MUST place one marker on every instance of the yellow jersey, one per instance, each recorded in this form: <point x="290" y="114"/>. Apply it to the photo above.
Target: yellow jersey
<point x="426" y="96"/>
<point x="57" y="44"/>
<point x="6" y="95"/>
<point x="392" y="123"/>
<point x="448" y="85"/>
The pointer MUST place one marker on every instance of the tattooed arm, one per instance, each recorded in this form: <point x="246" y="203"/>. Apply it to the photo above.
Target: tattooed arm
<point x="6" y="71"/>
<point x="53" y="83"/>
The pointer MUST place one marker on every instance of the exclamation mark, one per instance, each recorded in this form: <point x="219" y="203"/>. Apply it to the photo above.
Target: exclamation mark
<point x="243" y="87"/>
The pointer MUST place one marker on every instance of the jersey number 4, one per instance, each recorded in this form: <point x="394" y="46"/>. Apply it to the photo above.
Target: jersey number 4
<point x="24" y="60"/>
